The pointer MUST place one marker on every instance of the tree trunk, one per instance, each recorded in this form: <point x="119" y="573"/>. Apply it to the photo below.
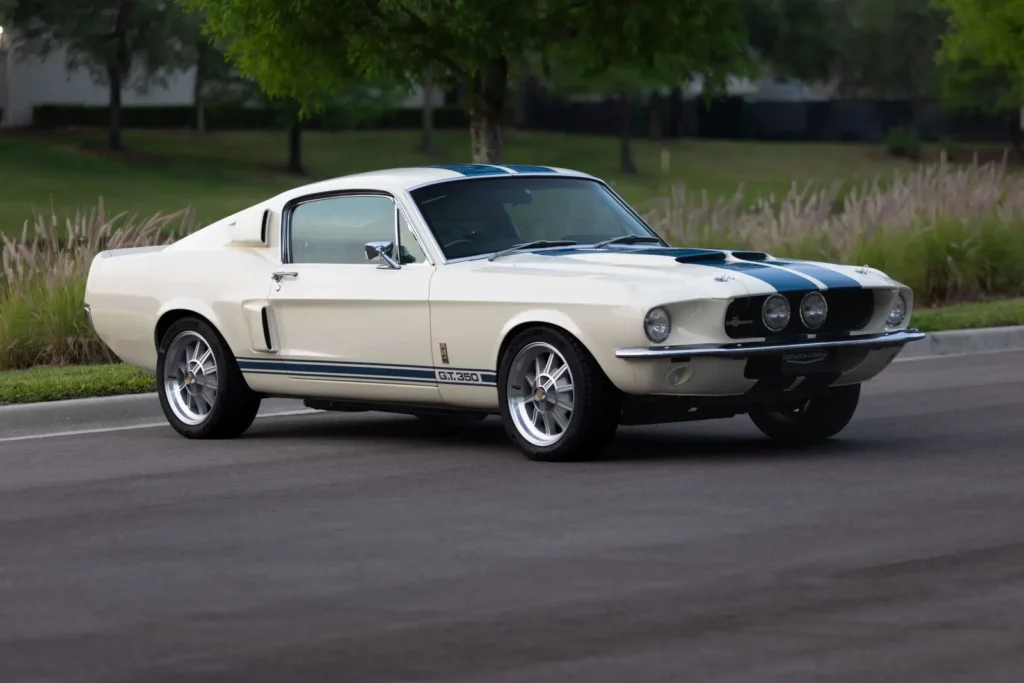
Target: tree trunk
<point x="488" y="89"/>
<point x="117" y="69"/>
<point x="427" y="132"/>
<point x="625" y="139"/>
<point x="114" y="123"/>
<point x="1017" y="135"/>
<point x="654" y="110"/>
<point x="197" y="97"/>
<point x="522" y="95"/>
<point x="295" y="148"/>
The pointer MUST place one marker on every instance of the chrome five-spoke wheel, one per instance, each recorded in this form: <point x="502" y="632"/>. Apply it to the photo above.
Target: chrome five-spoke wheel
<point x="540" y="394"/>
<point x="190" y="378"/>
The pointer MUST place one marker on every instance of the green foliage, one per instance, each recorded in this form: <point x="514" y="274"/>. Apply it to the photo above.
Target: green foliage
<point x="306" y="50"/>
<point x="109" y="38"/>
<point x="887" y="47"/>
<point x="904" y="143"/>
<point x="793" y="38"/>
<point x="985" y="32"/>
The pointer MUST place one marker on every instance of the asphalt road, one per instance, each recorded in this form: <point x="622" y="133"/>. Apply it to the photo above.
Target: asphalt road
<point x="371" y="548"/>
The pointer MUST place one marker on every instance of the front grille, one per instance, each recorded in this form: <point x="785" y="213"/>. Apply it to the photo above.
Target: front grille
<point x="848" y="310"/>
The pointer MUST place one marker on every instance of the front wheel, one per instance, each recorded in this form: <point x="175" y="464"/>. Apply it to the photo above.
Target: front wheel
<point x="815" y="419"/>
<point x="556" y="403"/>
<point x="202" y="391"/>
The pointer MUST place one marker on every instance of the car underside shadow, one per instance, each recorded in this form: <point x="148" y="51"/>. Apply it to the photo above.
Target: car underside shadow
<point x="663" y="442"/>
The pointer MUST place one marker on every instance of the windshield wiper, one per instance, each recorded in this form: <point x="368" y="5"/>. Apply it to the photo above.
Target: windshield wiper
<point x="627" y="239"/>
<point x="532" y="245"/>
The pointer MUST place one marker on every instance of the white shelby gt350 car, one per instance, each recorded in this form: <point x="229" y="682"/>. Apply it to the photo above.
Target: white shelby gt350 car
<point x="454" y="292"/>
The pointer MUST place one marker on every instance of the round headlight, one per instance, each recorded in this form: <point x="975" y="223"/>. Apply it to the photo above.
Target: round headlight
<point x="657" y="325"/>
<point x="775" y="312"/>
<point x="898" y="312"/>
<point x="813" y="310"/>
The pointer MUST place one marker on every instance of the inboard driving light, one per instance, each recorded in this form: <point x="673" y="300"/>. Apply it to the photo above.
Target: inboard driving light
<point x="775" y="313"/>
<point x="813" y="310"/>
<point x="657" y="325"/>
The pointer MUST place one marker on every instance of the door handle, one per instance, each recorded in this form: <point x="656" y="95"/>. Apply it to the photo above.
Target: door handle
<point x="277" y="277"/>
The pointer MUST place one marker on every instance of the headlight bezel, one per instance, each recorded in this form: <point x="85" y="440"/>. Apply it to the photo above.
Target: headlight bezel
<point x="764" y="313"/>
<point x="811" y="296"/>
<point x="667" y="324"/>
<point x="899" y="301"/>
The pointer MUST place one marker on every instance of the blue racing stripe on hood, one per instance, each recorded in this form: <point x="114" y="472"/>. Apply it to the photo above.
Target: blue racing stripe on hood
<point x="780" y="280"/>
<point x="471" y="169"/>
<point x="830" y="278"/>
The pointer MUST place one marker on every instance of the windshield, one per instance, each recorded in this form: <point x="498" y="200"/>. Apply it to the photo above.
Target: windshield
<point x="483" y="216"/>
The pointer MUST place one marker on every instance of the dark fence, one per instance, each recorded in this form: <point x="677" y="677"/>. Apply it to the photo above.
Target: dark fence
<point x="737" y="119"/>
<point x="725" y="118"/>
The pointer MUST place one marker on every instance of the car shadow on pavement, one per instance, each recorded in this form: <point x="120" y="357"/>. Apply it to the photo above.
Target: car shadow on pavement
<point x="685" y="441"/>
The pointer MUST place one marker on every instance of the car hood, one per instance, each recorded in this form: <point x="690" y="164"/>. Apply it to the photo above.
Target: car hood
<point x="723" y="272"/>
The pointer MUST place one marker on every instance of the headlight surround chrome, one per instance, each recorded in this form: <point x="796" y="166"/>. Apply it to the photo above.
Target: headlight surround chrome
<point x="776" y="312"/>
<point x="898" y="312"/>
<point x="657" y="325"/>
<point x="813" y="310"/>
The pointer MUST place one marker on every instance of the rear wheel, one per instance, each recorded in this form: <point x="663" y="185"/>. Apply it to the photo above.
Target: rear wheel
<point x="815" y="419"/>
<point x="556" y="403"/>
<point x="202" y="391"/>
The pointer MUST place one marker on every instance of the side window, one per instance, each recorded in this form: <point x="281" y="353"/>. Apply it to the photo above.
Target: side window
<point x="335" y="230"/>
<point x="412" y="252"/>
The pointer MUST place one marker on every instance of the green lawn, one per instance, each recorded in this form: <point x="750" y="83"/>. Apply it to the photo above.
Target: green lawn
<point x="999" y="313"/>
<point x="53" y="383"/>
<point x="219" y="173"/>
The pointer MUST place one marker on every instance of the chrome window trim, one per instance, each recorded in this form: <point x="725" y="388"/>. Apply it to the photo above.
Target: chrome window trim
<point x="290" y="206"/>
<point x="558" y="174"/>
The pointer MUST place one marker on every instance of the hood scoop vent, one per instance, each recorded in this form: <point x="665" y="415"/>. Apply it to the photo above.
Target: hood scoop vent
<point x="701" y="257"/>
<point x="750" y="255"/>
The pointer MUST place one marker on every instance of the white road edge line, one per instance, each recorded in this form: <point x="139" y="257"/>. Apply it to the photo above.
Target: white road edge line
<point x="125" y="428"/>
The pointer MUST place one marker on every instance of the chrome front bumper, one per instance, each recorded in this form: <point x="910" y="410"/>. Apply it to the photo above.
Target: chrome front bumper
<point x="875" y="341"/>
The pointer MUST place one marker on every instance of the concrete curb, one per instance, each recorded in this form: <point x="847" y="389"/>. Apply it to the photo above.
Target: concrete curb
<point x="142" y="409"/>
<point x="963" y="342"/>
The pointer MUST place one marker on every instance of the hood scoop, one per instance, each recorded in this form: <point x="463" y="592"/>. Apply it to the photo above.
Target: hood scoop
<point x="714" y="256"/>
<point x="702" y="257"/>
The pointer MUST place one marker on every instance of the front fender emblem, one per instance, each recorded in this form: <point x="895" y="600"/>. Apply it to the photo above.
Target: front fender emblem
<point x="444" y="353"/>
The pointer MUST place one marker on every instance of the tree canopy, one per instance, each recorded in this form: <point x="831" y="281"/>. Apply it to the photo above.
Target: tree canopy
<point x="120" y="42"/>
<point x="307" y="49"/>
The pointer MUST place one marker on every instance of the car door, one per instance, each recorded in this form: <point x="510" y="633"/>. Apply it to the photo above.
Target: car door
<point x="347" y="326"/>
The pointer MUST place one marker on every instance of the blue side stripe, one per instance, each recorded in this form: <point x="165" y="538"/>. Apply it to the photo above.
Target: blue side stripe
<point x="830" y="278"/>
<point x="527" y="168"/>
<point x="471" y="169"/>
<point x="781" y="280"/>
<point x="365" y="371"/>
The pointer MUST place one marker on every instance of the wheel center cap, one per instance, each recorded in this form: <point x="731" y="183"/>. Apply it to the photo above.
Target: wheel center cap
<point x="539" y="394"/>
<point x="189" y="378"/>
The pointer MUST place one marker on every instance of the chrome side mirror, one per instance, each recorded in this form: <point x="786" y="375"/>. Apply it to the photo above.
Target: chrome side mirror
<point x="381" y="250"/>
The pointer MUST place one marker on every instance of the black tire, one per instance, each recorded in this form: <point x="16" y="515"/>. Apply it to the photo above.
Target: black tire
<point x="818" y="419"/>
<point x="235" y="405"/>
<point x="596" y="401"/>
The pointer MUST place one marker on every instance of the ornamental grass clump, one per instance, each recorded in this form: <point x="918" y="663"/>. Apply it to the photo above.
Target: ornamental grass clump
<point x="953" y="233"/>
<point x="42" y="282"/>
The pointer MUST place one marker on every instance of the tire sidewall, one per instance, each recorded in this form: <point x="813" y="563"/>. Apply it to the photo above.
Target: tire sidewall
<point x="581" y="387"/>
<point x="220" y="355"/>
